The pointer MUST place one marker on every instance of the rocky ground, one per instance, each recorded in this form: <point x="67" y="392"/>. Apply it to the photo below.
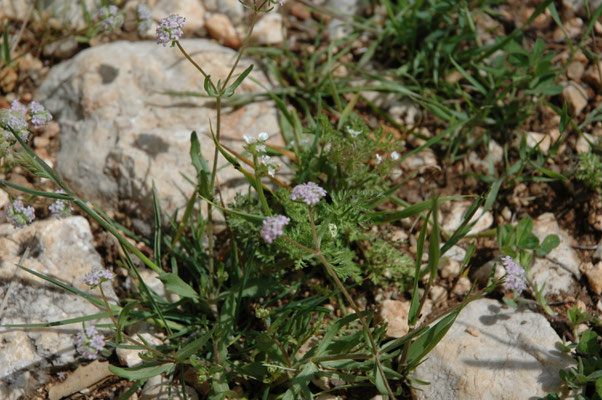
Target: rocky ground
<point x="115" y="132"/>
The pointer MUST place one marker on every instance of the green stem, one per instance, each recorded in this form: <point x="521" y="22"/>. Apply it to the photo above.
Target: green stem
<point x="259" y="187"/>
<point x="339" y="284"/>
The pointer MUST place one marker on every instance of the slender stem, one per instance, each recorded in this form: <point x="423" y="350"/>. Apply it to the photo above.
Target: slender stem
<point x="197" y="66"/>
<point x="350" y="300"/>
<point x="262" y="199"/>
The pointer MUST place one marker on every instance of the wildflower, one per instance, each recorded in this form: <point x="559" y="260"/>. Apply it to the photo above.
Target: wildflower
<point x="170" y="30"/>
<point x="394" y="156"/>
<point x="256" y="144"/>
<point x="60" y="208"/>
<point x="273" y="227"/>
<point x="379" y="159"/>
<point x="270" y="164"/>
<point x="353" y="132"/>
<point x="89" y="342"/>
<point x="143" y="17"/>
<point x="515" y="275"/>
<point x="39" y="115"/>
<point x="97" y="276"/>
<point x="308" y="192"/>
<point x="17" y="106"/>
<point x="109" y="17"/>
<point x="19" y="215"/>
<point x="13" y="120"/>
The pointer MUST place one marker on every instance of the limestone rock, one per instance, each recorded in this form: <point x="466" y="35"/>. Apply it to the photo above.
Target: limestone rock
<point x="221" y="29"/>
<point x="453" y="218"/>
<point x="492" y="352"/>
<point x="594" y="276"/>
<point x="575" y="70"/>
<point x="339" y="29"/>
<point x="268" y="30"/>
<point x="395" y="314"/>
<point x="120" y="130"/>
<point x="130" y="357"/>
<point x="159" y="388"/>
<point x="232" y="8"/>
<point x="192" y="10"/>
<point x="576" y="97"/>
<point x="592" y="76"/>
<point x="62" y="249"/>
<point x="559" y="270"/>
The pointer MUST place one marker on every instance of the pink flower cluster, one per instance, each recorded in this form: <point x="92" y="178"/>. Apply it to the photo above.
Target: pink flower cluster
<point x="170" y="30"/>
<point x="60" y="208"/>
<point x="515" y="275"/>
<point x="273" y="227"/>
<point x="97" y="276"/>
<point x="89" y="342"/>
<point x="308" y="192"/>
<point x="19" y="215"/>
<point x="15" y="119"/>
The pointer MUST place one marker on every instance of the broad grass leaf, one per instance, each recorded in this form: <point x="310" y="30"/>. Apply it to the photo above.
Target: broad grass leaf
<point x="143" y="371"/>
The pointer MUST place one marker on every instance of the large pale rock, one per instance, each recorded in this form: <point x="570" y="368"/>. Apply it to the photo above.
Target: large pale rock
<point x="61" y="249"/>
<point x="492" y="352"/>
<point x="559" y="270"/>
<point x="121" y="130"/>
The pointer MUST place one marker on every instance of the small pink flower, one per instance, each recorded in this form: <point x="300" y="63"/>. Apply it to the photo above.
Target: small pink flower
<point x="97" y="276"/>
<point x="89" y="342"/>
<point x="273" y="227"/>
<point x="515" y="275"/>
<point x="170" y="30"/>
<point x="308" y="192"/>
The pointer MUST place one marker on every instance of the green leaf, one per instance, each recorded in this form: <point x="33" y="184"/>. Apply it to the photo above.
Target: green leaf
<point x="549" y="243"/>
<point x="209" y="87"/>
<point x="143" y="371"/>
<point x="173" y="283"/>
<point x="6" y="46"/>
<point x="428" y="340"/>
<point x="526" y="239"/>
<point x="589" y="343"/>
<point x="411" y="211"/>
<point x="413" y="313"/>
<point x="332" y="331"/>
<point x="379" y="381"/>
<point x="230" y="91"/>
<point x="123" y="316"/>
<point x="299" y="388"/>
<point x="192" y="347"/>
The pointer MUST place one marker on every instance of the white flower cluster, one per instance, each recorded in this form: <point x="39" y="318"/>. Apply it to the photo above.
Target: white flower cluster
<point x="256" y="145"/>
